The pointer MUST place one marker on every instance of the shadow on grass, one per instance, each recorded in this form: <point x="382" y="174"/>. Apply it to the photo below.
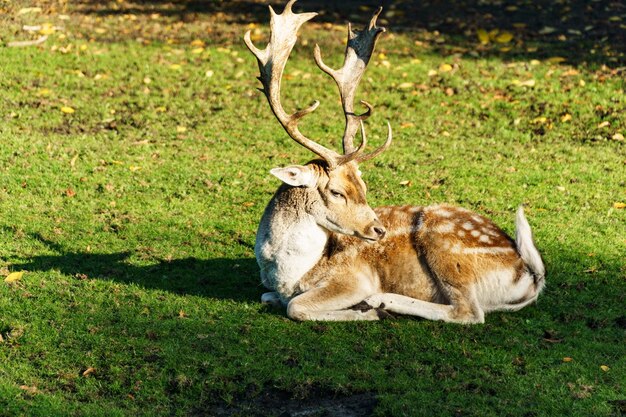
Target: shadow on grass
<point x="222" y="278"/>
<point x="576" y="30"/>
<point x="579" y="288"/>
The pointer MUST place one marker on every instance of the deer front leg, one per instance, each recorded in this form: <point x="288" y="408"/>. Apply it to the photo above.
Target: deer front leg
<point x="271" y="298"/>
<point x="331" y="302"/>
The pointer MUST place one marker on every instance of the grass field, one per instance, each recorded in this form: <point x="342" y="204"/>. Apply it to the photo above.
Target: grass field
<point x="134" y="159"/>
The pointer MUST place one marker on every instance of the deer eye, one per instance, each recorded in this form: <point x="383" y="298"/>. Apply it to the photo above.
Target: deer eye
<point x="337" y="194"/>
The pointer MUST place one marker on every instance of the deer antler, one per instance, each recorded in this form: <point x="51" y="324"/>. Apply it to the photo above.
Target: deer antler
<point x="359" y="50"/>
<point x="272" y="61"/>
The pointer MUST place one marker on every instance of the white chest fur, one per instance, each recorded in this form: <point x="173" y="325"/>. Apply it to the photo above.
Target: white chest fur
<point x="286" y="251"/>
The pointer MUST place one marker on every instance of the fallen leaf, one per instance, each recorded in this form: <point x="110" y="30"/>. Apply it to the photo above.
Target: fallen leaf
<point x="527" y="83"/>
<point x="618" y="136"/>
<point x="14" y="277"/>
<point x="556" y="59"/>
<point x="405" y="86"/>
<point x="182" y="314"/>
<point x="567" y="359"/>
<point x="89" y="371"/>
<point x="175" y="67"/>
<point x="445" y="68"/>
<point x="181" y="129"/>
<point x="604" y="368"/>
<point x="197" y="43"/>
<point x="619" y="205"/>
<point x="603" y="124"/>
<point x="483" y="36"/>
<point x="540" y="120"/>
<point x="566" y="117"/>
<point x="504" y="37"/>
<point x="197" y="50"/>
<point x="209" y="73"/>
<point x="47" y="29"/>
<point x="67" y="110"/>
<point x="405" y="183"/>
<point x="30" y="390"/>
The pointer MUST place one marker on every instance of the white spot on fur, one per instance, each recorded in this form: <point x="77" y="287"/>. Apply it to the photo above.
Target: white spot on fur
<point x="467" y="226"/>
<point x="443" y="213"/>
<point x="445" y="227"/>
<point x="477" y="218"/>
<point x="414" y="209"/>
<point x="484" y="238"/>
<point x="461" y="233"/>
<point x="487" y="251"/>
<point x="475" y="233"/>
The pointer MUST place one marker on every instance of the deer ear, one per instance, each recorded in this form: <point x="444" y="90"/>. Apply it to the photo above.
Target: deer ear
<point x="296" y="175"/>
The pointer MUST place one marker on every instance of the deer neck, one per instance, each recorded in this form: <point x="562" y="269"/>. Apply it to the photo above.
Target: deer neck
<point x="289" y="240"/>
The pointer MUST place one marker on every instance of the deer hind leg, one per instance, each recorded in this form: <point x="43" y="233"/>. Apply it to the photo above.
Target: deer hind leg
<point x="330" y="303"/>
<point x="463" y="309"/>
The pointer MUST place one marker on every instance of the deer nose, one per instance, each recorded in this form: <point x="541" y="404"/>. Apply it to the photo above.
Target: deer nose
<point x="380" y="231"/>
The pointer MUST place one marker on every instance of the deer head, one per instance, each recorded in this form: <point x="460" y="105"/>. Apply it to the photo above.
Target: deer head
<point x="339" y="204"/>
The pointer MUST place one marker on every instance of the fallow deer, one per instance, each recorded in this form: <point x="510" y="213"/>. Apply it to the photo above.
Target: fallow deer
<point x="322" y="250"/>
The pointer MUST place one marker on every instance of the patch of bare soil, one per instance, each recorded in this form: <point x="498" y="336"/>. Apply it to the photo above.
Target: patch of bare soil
<point x="282" y="404"/>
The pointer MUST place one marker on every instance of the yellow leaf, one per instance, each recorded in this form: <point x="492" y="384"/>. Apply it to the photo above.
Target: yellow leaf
<point x="556" y="59"/>
<point x="432" y="73"/>
<point x="13" y="277"/>
<point x="566" y="117"/>
<point x="618" y="136"/>
<point x="209" y="74"/>
<point x="181" y="129"/>
<point x="540" y="120"/>
<point x="445" y="68"/>
<point x="604" y="368"/>
<point x="483" y="36"/>
<point x="197" y="50"/>
<point x="47" y="29"/>
<point x="43" y="92"/>
<point x="197" y="43"/>
<point x="504" y="37"/>
<point x="67" y="110"/>
<point x="134" y="168"/>
<point x="603" y="125"/>
<point x="567" y="359"/>
<point x="405" y="86"/>
<point x="405" y="183"/>
<point x="619" y="206"/>
<point x="175" y="66"/>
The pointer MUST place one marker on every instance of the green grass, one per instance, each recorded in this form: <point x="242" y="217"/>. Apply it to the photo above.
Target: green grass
<point x="135" y="217"/>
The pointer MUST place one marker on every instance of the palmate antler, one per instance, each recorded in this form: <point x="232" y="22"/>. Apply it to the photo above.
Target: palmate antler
<point x="272" y="61"/>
